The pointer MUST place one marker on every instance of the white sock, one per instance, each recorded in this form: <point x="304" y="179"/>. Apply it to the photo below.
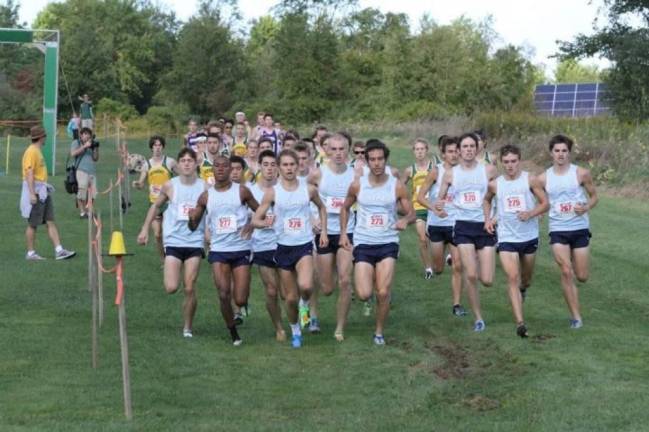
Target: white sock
<point x="295" y="329"/>
<point x="58" y="249"/>
<point x="302" y="303"/>
<point x="429" y="269"/>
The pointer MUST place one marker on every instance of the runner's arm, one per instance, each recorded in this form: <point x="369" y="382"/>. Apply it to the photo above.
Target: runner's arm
<point x="486" y="207"/>
<point x="322" y="210"/>
<point x="163" y="197"/>
<point x="438" y="207"/>
<point x="196" y="214"/>
<point x="406" y="205"/>
<point x="350" y="200"/>
<point x="248" y="199"/>
<point x="422" y="196"/>
<point x="259" y="219"/>
<point x="542" y="204"/>
<point x="586" y="180"/>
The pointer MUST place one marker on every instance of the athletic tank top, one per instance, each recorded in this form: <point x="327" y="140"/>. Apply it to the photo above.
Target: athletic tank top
<point x="263" y="239"/>
<point x="157" y="176"/>
<point x="418" y="179"/>
<point x="272" y="135"/>
<point x="377" y="213"/>
<point x="333" y="190"/>
<point x="564" y="192"/>
<point x="470" y="187"/>
<point x="205" y="171"/>
<point x="449" y="207"/>
<point x="240" y="150"/>
<point x="175" y="231"/>
<point x="514" y="196"/>
<point x="293" y="215"/>
<point x="227" y="217"/>
<point x="366" y="170"/>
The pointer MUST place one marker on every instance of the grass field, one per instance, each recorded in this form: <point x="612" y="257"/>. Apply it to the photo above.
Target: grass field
<point x="433" y="374"/>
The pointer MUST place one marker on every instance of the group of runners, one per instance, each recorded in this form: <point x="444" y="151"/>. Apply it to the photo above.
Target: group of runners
<point x="330" y="207"/>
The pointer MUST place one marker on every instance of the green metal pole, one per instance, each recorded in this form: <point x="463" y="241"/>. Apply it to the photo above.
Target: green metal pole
<point x="50" y="96"/>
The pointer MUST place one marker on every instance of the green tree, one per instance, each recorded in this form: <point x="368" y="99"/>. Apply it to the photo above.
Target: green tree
<point x="112" y="48"/>
<point x="208" y="64"/>
<point x="625" y="45"/>
<point x="570" y="71"/>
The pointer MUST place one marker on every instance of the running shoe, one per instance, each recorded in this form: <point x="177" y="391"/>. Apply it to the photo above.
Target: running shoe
<point x="576" y="324"/>
<point x="521" y="330"/>
<point x="428" y="274"/>
<point x="379" y="340"/>
<point x="314" y="325"/>
<point x="83" y="216"/>
<point x="296" y="341"/>
<point x="187" y="333"/>
<point x="34" y="257"/>
<point x="65" y="254"/>
<point x="280" y="336"/>
<point x="245" y="310"/>
<point x="238" y="318"/>
<point x="339" y="336"/>
<point x="234" y="334"/>
<point x="304" y="315"/>
<point x="449" y="260"/>
<point x="458" y="310"/>
<point x="479" y="326"/>
<point x="367" y="308"/>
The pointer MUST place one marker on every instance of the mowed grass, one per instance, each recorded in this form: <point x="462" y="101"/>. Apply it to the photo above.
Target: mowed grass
<point x="433" y="374"/>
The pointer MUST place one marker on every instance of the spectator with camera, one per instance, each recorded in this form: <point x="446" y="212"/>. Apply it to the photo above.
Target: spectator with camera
<point x="85" y="150"/>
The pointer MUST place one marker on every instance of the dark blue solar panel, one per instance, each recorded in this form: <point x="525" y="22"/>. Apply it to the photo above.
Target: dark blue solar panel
<point x="568" y="100"/>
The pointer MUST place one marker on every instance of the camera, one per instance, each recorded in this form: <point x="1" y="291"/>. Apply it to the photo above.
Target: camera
<point x="94" y="144"/>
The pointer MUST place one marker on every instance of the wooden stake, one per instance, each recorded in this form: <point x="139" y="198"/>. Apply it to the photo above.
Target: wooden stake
<point x="123" y="340"/>
<point x="100" y="283"/>
<point x="92" y="276"/>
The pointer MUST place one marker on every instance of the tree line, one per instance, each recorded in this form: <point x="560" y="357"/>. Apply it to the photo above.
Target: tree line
<point x="307" y="60"/>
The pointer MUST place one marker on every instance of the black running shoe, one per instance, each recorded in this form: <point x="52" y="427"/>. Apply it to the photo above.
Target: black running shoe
<point x="236" y="339"/>
<point x="458" y="310"/>
<point x="238" y="318"/>
<point x="521" y="330"/>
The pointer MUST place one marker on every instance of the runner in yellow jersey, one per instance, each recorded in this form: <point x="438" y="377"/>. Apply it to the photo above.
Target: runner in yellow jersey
<point x="213" y="149"/>
<point x="157" y="171"/>
<point x="253" y="173"/>
<point x="416" y="175"/>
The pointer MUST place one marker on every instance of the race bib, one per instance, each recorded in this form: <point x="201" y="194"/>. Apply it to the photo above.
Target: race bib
<point x="514" y="203"/>
<point x="155" y="190"/>
<point x="334" y="204"/>
<point x="183" y="210"/>
<point x="377" y="221"/>
<point x="564" y="209"/>
<point x="226" y="224"/>
<point x="470" y="199"/>
<point x="294" y="225"/>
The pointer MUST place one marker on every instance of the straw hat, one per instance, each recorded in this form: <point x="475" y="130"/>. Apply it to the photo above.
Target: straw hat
<point x="37" y="132"/>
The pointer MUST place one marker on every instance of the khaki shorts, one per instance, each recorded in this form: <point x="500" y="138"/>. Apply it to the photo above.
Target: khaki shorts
<point x="87" y="123"/>
<point x="86" y="181"/>
<point x="42" y="212"/>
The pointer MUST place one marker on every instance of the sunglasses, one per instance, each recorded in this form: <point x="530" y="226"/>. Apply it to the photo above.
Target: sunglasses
<point x="359" y="152"/>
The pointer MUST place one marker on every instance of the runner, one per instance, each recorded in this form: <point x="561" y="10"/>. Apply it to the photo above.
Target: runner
<point x="206" y="159"/>
<point x="239" y="144"/>
<point x="192" y="138"/>
<point x="520" y="200"/>
<point x="572" y="195"/>
<point x="252" y="153"/>
<point x="477" y="247"/>
<point x="483" y="154"/>
<point x="157" y="171"/>
<point x="418" y="172"/>
<point x="227" y="206"/>
<point x="440" y="229"/>
<point x="264" y="243"/>
<point x="238" y="176"/>
<point x="183" y="248"/>
<point x="333" y="180"/>
<point x="268" y="131"/>
<point x="294" y="256"/>
<point x="376" y="233"/>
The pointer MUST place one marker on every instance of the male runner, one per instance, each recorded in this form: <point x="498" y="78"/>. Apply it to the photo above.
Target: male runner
<point x="157" y="171"/>
<point x="290" y="199"/>
<point x="376" y="233"/>
<point x="520" y="200"/>
<point x="440" y="229"/>
<point x="206" y="159"/>
<point x="572" y="195"/>
<point x="182" y="248"/>
<point x="227" y="207"/>
<point x="418" y="172"/>
<point x="477" y="247"/>
<point x="264" y="243"/>
<point x="268" y="131"/>
<point x="252" y="160"/>
<point x="333" y="180"/>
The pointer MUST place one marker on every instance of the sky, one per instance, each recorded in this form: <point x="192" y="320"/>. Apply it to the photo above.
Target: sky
<point x="535" y="25"/>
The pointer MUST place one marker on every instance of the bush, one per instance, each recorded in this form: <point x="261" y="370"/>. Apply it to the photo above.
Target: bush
<point x="115" y="109"/>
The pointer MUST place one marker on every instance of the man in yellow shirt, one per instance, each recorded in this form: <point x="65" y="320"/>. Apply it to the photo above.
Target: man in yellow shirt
<point x="35" y="201"/>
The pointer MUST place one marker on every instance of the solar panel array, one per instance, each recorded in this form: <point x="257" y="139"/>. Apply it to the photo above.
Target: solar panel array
<point x="571" y="100"/>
